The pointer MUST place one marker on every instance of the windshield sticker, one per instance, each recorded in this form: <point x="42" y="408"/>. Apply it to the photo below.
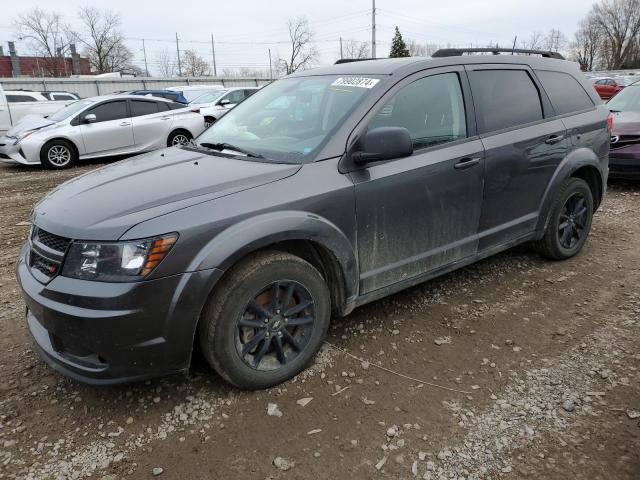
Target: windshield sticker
<point x="361" y="82"/>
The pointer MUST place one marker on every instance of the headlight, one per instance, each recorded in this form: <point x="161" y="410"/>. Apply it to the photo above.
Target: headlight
<point x="24" y="134"/>
<point x="116" y="261"/>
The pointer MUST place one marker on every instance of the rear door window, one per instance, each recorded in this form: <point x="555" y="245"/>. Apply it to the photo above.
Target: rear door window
<point x="141" y="107"/>
<point x="504" y="99"/>
<point x="565" y="92"/>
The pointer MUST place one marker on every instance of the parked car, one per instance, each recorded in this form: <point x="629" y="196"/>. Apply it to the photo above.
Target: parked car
<point x="100" y="127"/>
<point x="624" y="158"/>
<point x="608" y="87"/>
<point x="324" y="191"/>
<point x="214" y="105"/>
<point x="60" y="96"/>
<point x="16" y="104"/>
<point x="191" y="92"/>
<point x="173" y="95"/>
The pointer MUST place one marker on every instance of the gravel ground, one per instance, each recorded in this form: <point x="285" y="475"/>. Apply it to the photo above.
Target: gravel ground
<point x="512" y="368"/>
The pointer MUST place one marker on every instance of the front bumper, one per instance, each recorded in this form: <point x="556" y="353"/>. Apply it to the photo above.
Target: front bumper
<point x="106" y="333"/>
<point x="625" y="162"/>
<point x="11" y="152"/>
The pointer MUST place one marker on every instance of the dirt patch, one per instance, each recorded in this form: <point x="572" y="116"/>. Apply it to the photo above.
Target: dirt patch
<point x="548" y="353"/>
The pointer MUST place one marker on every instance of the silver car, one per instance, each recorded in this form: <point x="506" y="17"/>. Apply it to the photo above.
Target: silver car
<point x="214" y="105"/>
<point x="100" y="127"/>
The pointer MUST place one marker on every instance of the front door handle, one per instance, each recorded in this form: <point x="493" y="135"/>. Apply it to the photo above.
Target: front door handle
<point x="553" y="139"/>
<point x="125" y="124"/>
<point x="165" y="118"/>
<point x="466" y="162"/>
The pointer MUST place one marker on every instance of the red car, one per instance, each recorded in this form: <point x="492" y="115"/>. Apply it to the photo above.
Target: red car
<point x="608" y="87"/>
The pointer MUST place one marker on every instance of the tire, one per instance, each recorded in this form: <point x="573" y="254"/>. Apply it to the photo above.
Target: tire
<point x="178" y="137"/>
<point x="58" y="154"/>
<point x="572" y="208"/>
<point x="246" y="295"/>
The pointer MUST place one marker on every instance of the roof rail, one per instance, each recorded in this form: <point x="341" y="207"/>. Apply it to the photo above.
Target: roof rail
<point x="456" y="52"/>
<point x="349" y="60"/>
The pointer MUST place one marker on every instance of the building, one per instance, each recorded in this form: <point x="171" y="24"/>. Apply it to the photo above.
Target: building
<point x="14" y="65"/>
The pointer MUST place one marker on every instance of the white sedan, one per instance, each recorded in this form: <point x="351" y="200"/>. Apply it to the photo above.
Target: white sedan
<point x="100" y="127"/>
<point x="215" y="104"/>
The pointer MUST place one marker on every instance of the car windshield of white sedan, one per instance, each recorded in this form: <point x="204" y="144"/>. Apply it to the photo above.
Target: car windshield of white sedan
<point x="289" y="120"/>
<point x="208" y="97"/>
<point x="69" y="110"/>
<point x="628" y="100"/>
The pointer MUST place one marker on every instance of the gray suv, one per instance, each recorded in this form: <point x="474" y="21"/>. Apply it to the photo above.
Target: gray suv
<point x="326" y="190"/>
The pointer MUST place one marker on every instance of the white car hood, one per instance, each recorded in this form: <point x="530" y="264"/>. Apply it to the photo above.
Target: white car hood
<point x="29" y="122"/>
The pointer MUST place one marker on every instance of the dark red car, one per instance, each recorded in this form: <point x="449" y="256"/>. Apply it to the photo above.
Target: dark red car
<point x="624" y="156"/>
<point x="608" y="87"/>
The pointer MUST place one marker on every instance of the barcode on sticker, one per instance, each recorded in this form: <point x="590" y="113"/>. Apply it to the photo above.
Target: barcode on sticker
<point x="361" y="82"/>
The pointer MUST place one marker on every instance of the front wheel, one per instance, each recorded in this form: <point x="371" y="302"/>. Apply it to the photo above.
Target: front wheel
<point x="179" y="137"/>
<point x="266" y="320"/>
<point x="569" y="222"/>
<point x="58" y="154"/>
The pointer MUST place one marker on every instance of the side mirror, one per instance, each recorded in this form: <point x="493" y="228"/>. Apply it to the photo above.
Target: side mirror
<point x="383" y="143"/>
<point x="90" y="118"/>
<point x="226" y="101"/>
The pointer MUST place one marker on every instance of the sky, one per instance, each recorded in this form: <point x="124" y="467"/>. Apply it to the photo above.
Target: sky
<point x="245" y="30"/>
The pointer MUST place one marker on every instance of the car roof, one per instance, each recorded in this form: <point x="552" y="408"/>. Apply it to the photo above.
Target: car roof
<point x="398" y="66"/>
<point x="121" y="96"/>
<point x="195" y="87"/>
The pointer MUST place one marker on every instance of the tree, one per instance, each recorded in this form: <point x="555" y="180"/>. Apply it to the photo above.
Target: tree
<point x="48" y="37"/>
<point x="535" y="41"/>
<point x="586" y="46"/>
<point x="398" y="47"/>
<point x="555" y="40"/>
<point x="355" y="49"/>
<point x="103" y="41"/>
<point x="303" y="53"/>
<point x="193" y="65"/>
<point x="619" y="22"/>
<point x="166" y="63"/>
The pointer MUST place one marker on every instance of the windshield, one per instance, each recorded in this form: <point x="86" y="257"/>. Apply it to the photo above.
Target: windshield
<point x="208" y="97"/>
<point x="191" y="95"/>
<point x="69" y="110"/>
<point x="626" y="100"/>
<point x="289" y="120"/>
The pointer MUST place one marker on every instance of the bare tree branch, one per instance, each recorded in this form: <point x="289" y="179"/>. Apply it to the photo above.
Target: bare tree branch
<point x="102" y="40"/>
<point x="48" y="37"/>
<point x="194" y="65"/>
<point x="303" y="53"/>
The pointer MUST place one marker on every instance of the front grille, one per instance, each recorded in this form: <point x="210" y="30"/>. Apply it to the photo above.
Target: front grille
<point x="43" y="265"/>
<point x="47" y="253"/>
<point x="49" y="240"/>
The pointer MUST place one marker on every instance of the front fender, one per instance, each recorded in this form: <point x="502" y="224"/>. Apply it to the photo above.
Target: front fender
<point x="249" y="235"/>
<point x="576" y="159"/>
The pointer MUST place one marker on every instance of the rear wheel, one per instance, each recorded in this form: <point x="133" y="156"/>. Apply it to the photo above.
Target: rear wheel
<point x="266" y="320"/>
<point x="179" y="137"/>
<point x="58" y="154"/>
<point x="570" y="221"/>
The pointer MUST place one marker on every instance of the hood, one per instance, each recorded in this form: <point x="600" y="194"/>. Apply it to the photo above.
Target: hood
<point x="29" y="122"/>
<point x="626" y="123"/>
<point x="105" y="203"/>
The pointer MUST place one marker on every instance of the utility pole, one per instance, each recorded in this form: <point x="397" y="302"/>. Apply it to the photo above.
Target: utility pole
<point x="144" y="51"/>
<point x="270" y="68"/>
<point x="341" y="56"/>
<point x="178" y="50"/>
<point x="213" y="52"/>
<point x="373" y="30"/>
<point x="515" y="40"/>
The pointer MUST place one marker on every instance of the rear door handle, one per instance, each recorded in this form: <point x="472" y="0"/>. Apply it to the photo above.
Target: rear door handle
<point x="465" y="163"/>
<point x="125" y="124"/>
<point x="165" y="118"/>
<point x="553" y="139"/>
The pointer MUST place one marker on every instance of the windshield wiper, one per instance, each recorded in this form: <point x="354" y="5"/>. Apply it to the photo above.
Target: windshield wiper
<point x="227" y="146"/>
